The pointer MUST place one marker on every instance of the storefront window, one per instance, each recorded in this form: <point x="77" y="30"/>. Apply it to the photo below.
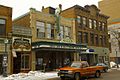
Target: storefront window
<point x="2" y="26"/>
<point x="40" y="26"/>
<point x="25" y="61"/>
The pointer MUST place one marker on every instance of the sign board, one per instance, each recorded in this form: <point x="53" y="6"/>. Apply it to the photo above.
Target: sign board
<point x="21" y="44"/>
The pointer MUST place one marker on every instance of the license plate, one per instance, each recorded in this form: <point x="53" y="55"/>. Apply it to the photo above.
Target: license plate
<point x="62" y="75"/>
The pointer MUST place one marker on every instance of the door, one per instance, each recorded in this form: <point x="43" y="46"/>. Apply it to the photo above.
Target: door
<point x="21" y="63"/>
<point x="16" y="63"/>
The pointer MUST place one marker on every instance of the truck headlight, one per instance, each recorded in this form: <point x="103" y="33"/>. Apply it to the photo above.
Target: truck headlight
<point x="70" y="72"/>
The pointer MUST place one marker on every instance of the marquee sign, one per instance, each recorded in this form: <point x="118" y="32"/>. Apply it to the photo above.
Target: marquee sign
<point x="21" y="44"/>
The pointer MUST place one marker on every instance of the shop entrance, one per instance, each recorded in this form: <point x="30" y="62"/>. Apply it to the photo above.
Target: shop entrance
<point x="52" y="59"/>
<point x="21" y="63"/>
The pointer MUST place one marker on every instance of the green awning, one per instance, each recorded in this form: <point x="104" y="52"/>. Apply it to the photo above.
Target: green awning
<point x="58" y="45"/>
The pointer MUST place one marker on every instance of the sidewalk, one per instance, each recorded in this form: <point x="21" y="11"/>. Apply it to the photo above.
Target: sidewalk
<point x="32" y="75"/>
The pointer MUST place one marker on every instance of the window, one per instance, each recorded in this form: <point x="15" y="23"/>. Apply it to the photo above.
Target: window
<point x="48" y="29"/>
<point x="40" y="29"/>
<point x="101" y="40"/>
<point x="92" y="38"/>
<point x="95" y="24"/>
<point x="100" y="26"/>
<point x="103" y="26"/>
<point x="79" y="37"/>
<point x="90" y="23"/>
<point x="61" y="33"/>
<point x="52" y="32"/>
<point x="2" y="26"/>
<point x="84" y="21"/>
<point x="96" y="39"/>
<point x="67" y="32"/>
<point x="104" y="40"/>
<point x="79" y="20"/>
<point x="25" y="61"/>
<point x="86" y="37"/>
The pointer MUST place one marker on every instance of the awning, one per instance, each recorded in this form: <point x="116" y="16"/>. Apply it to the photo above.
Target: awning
<point x="58" y="46"/>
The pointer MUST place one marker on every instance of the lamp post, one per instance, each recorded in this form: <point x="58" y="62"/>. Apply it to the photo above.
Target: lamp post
<point x="5" y="59"/>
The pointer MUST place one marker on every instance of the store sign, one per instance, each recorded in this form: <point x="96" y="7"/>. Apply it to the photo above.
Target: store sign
<point x="61" y="46"/>
<point x="21" y="44"/>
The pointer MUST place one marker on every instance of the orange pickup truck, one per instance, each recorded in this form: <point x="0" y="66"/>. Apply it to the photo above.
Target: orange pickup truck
<point x="79" y="69"/>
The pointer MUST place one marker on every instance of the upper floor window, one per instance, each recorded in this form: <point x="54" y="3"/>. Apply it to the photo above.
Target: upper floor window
<point x="79" y="20"/>
<point x="48" y="29"/>
<point x="101" y="40"/>
<point x="80" y="37"/>
<point x="90" y="23"/>
<point x="85" y="37"/>
<point x="92" y="38"/>
<point x="84" y="21"/>
<point x="61" y="34"/>
<point x="103" y="26"/>
<point x="100" y="26"/>
<point x="40" y="26"/>
<point x="95" y="24"/>
<point x="2" y="26"/>
<point x="67" y="32"/>
<point x="96" y="39"/>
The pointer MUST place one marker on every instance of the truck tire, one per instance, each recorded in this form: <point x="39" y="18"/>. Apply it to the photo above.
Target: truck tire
<point x="97" y="74"/>
<point x="77" y="76"/>
<point x="105" y="70"/>
<point x="62" y="77"/>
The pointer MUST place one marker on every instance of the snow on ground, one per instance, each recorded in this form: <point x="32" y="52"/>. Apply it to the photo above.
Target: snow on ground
<point x="32" y="75"/>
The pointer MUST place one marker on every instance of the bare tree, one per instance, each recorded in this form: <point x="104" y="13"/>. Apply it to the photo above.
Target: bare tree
<point x="115" y="42"/>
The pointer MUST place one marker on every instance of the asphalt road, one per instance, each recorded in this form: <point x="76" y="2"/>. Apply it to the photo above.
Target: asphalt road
<point x="113" y="74"/>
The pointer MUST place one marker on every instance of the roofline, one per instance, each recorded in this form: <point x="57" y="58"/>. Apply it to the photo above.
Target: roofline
<point x="5" y="6"/>
<point x="21" y="16"/>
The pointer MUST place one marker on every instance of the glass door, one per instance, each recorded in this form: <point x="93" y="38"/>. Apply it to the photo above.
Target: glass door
<point x="25" y="62"/>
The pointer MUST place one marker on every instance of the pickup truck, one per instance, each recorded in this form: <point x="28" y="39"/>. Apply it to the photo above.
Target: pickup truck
<point x="79" y="69"/>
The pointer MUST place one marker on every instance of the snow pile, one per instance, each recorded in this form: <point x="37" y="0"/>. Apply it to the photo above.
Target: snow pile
<point x="32" y="75"/>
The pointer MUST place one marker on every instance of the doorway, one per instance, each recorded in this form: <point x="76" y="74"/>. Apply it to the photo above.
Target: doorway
<point x="21" y="63"/>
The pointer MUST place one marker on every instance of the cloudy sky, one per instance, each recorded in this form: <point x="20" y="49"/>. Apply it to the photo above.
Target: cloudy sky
<point x="22" y="6"/>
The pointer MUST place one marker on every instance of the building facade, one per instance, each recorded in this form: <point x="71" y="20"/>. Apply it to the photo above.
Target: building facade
<point x="113" y="25"/>
<point x="21" y="49"/>
<point x="53" y="40"/>
<point x="5" y="35"/>
<point x="91" y="29"/>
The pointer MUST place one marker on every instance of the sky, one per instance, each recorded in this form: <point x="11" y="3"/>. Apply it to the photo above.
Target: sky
<point x="21" y="7"/>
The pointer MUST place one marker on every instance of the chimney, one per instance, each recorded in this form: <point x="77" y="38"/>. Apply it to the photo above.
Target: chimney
<point x="60" y="6"/>
<point x="42" y="8"/>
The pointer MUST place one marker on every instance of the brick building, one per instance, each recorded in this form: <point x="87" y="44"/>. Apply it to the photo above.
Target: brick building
<point x="91" y="29"/>
<point x="5" y="34"/>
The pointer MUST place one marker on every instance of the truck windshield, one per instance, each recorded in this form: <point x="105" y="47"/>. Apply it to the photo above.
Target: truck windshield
<point x="76" y="65"/>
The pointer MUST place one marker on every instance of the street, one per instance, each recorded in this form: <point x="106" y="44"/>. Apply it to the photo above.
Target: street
<point x="113" y="74"/>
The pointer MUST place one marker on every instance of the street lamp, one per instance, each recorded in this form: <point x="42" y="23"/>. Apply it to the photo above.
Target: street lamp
<point x="5" y="59"/>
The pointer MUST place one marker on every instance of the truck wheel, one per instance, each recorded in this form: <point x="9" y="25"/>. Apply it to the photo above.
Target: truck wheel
<point x="77" y="76"/>
<point x="97" y="74"/>
<point x="105" y="70"/>
<point x="62" y="77"/>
